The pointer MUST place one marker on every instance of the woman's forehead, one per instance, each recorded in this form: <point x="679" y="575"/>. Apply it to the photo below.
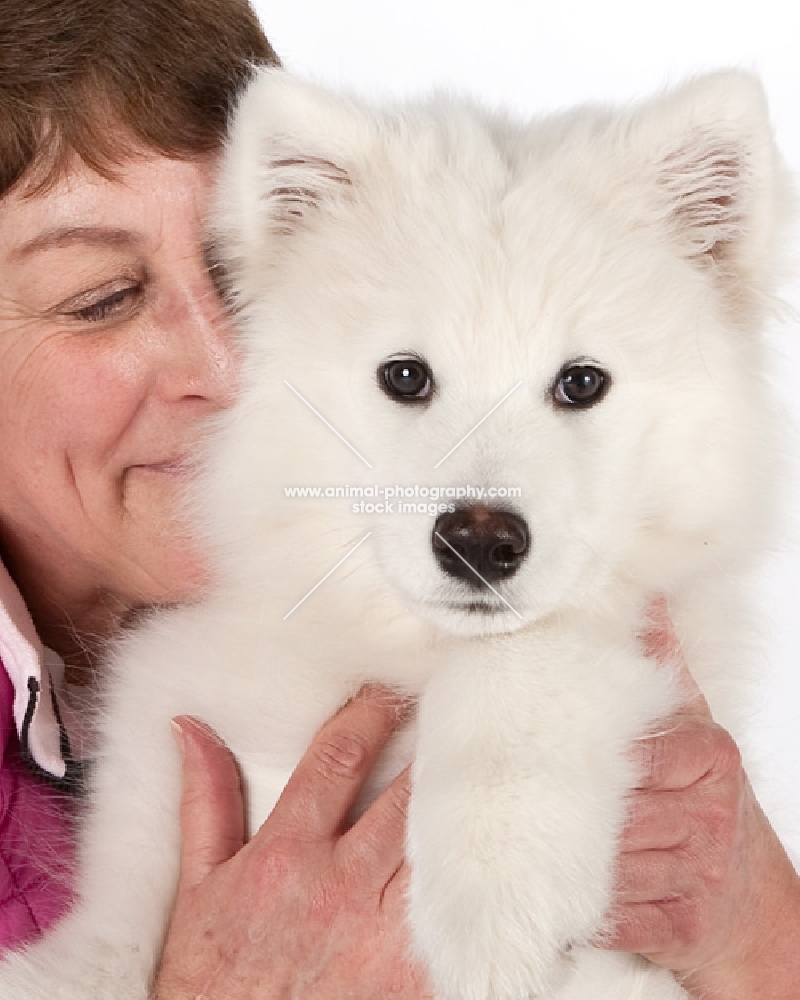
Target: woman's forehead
<point x="147" y="193"/>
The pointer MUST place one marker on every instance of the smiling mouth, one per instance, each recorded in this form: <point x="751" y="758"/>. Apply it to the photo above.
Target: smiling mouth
<point x="172" y="467"/>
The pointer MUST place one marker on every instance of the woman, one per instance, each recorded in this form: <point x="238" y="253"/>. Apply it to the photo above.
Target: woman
<point x="113" y="350"/>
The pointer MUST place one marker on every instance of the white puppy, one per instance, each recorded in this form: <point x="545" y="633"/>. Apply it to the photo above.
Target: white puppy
<point x="605" y="275"/>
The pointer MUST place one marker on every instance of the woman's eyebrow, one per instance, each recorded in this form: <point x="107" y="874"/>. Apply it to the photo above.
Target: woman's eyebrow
<point x="64" y="236"/>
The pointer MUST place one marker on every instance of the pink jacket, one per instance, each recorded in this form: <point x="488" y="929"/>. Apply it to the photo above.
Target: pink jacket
<point x="36" y="808"/>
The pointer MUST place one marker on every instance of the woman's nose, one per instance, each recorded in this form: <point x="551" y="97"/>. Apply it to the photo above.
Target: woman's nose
<point x="200" y="332"/>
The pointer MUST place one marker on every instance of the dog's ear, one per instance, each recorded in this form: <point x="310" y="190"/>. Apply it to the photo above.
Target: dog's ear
<point x="287" y="153"/>
<point x="713" y="178"/>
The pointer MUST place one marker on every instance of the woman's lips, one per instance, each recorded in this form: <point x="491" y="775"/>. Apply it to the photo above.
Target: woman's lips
<point x="169" y="467"/>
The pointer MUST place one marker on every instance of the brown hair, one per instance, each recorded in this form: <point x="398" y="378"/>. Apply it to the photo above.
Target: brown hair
<point x="97" y="77"/>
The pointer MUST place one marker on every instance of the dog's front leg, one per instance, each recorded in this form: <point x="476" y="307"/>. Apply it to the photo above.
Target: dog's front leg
<point x="518" y="801"/>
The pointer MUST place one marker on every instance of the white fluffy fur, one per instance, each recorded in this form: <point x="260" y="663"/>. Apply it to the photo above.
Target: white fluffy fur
<point x="499" y="251"/>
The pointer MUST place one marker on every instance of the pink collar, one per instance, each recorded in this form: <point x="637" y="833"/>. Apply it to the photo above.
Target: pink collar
<point x="35" y="672"/>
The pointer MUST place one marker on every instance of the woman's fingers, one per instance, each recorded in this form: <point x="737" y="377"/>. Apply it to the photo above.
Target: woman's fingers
<point x="679" y="879"/>
<point x="687" y="749"/>
<point x="656" y="821"/>
<point x="325" y="784"/>
<point x="647" y="929"/>
<point x="655" y="876"/>
<point x="375" y="846"/>
<point x="212" y="809"/>
<point x="308" y="907"/>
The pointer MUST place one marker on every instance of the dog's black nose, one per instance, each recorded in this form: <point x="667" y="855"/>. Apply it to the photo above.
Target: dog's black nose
<point x="493" y="542"/>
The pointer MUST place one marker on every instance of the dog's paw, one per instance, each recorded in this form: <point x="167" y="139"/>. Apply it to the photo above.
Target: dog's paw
<point x="481" y="941"/>
<point x="499" y="982"/>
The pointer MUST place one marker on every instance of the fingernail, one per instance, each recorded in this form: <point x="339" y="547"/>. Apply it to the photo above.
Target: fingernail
<point x="180" y="739"/>
<point x="204" y="728"/>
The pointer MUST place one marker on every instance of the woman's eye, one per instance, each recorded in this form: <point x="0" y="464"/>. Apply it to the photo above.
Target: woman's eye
<point x="117" y="303"/>
<point x="408" y="380"/>
<point x="580" y="386"/>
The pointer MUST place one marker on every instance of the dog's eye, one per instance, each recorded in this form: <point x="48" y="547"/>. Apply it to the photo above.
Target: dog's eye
<point x="408" y="380"/>
<point x="580" y="386"/>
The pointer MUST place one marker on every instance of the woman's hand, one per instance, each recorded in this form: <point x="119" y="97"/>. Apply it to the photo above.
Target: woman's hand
<point x="307" y="908"/>
<point x="704" y="887"/>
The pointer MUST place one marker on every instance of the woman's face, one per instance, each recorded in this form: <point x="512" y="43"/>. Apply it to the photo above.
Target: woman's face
<point x="113" y="348"/>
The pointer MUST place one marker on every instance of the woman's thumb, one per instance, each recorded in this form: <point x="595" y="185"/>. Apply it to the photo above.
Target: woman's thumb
<point x="212" y="806"/>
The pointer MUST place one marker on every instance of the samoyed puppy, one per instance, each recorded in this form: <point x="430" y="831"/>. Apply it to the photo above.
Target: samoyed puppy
<point x="569" y="310"/>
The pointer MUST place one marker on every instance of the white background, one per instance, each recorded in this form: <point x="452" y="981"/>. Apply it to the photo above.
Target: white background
<point x="536" y="57"/>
